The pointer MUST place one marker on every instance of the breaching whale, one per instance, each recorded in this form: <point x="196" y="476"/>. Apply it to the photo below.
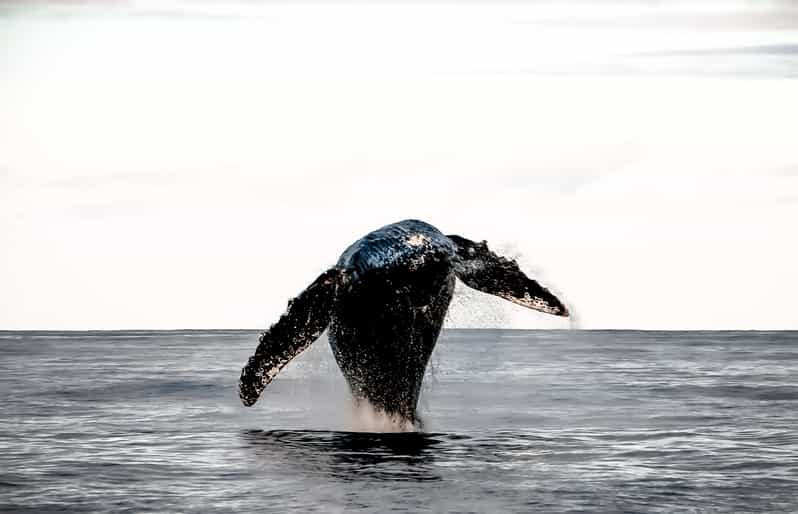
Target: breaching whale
<point x="385" y="302"/>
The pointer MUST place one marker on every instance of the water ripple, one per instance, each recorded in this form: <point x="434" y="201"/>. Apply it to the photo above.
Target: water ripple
<point x="520" y="421"/>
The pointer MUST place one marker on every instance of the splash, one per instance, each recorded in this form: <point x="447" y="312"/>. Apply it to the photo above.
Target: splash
<point x="574" y="322"/>
<point x="364" y="417"/>
<point x="472" y="309"/>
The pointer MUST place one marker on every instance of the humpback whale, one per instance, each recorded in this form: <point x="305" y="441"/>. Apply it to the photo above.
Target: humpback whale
<point x="384" y="303"/>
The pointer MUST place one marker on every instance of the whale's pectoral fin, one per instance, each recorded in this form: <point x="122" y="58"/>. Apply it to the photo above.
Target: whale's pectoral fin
<point x="478" y="267"/>
<point x="303" y="322"/>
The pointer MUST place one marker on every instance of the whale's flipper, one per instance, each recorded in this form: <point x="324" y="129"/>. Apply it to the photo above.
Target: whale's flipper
<point x="483" y="270"/>
<point x="306" y="318"/>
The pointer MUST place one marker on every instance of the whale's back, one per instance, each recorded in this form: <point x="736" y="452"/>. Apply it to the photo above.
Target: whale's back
<point x="405" y="244"/>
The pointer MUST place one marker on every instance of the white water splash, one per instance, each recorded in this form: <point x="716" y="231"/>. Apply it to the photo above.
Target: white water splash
<point x="364" y="417"/>
<point x="473" y="309"/>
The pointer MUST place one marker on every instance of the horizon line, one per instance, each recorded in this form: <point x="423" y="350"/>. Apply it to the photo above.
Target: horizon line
<point x="112" y="330"/>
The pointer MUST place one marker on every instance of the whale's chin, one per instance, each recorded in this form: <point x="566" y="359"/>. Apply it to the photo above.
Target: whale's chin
<point x="365" y="417"/>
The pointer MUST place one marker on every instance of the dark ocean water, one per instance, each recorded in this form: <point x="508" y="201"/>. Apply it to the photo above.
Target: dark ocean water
<point x="516" y="421"/>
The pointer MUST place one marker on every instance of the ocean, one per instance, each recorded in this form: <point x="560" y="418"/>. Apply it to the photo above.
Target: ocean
<point x="515" y="421"/>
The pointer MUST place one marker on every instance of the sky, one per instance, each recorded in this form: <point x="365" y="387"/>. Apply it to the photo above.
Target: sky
<point x="197" y="164"/>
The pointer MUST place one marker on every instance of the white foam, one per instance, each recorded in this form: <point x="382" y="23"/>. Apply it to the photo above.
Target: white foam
<point x="364" y="417"/>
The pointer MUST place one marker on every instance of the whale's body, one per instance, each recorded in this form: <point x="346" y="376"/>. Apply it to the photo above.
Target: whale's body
<point x="385" y="302"/>
<point x="388" y="317"/>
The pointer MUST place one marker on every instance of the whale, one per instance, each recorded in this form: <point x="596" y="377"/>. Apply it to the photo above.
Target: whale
<point x="383" y="304"/>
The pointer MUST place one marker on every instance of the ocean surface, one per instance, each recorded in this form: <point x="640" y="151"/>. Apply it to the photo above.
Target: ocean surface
<point x="515" y="421"/>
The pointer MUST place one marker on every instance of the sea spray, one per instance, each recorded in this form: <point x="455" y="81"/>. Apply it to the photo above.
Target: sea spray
<point x="364" y="417"/>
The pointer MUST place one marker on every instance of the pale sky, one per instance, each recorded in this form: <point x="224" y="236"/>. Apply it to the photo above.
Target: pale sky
<point x="196" y="164"/>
